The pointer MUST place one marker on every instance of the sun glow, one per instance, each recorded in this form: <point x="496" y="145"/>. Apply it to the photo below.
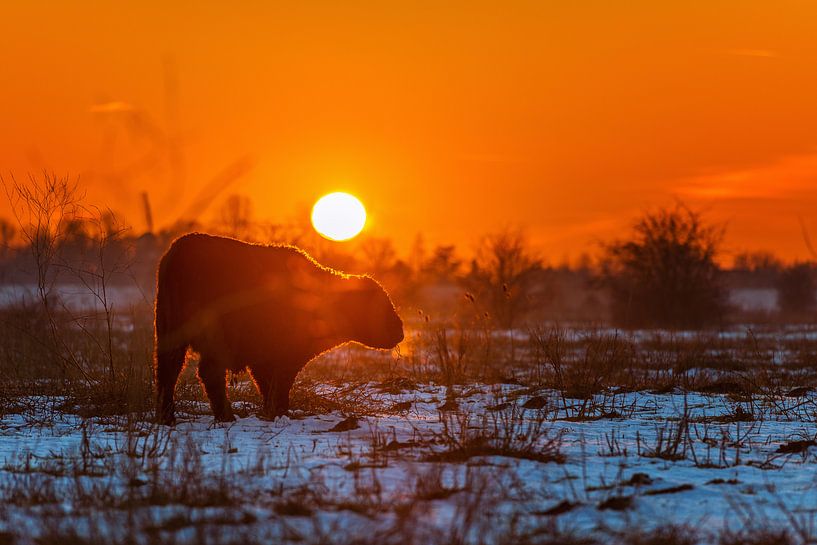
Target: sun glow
<point x="338" y="216"/>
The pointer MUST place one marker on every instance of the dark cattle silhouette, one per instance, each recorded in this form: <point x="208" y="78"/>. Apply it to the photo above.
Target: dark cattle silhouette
<point x="267" y="308"/>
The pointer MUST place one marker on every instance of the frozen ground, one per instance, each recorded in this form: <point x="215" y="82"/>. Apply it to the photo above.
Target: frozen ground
<point x="485" y="472"/>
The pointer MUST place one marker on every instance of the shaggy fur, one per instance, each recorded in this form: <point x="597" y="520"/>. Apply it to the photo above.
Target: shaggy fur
<point x="269" y="308"/>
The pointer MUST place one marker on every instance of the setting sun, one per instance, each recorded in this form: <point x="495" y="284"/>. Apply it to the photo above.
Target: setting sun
<point x="338" y="216"/>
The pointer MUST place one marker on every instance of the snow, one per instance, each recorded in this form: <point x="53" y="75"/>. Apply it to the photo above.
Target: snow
<point x="265" y="463"/>
<point x="76" y="297"/>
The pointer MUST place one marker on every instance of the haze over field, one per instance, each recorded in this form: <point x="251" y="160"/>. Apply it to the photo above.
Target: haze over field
<point x="451" y="119"/>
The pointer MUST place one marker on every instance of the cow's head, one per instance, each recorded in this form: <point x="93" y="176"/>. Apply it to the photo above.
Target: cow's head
<point x="370" y="313"/>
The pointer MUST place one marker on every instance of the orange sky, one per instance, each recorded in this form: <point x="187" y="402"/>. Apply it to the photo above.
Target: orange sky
<point x="450" y="118"/>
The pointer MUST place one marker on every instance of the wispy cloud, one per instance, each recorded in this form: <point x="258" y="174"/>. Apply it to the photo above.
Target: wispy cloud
<point x="790" y="177"/>
<point x="114" y="106"/>
<point x="761" y="53"/>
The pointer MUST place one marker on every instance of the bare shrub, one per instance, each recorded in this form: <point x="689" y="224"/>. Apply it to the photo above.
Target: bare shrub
<point x="671" y="440"/>
<point x="665" y="274"/>
<point x="506" y="432"/>
<point x="502" y="277"/>
<point x="42" y="208"/>
<point x="97" y="350"/>
<point x="584" y="368"/>
<point x="451" y="360"/>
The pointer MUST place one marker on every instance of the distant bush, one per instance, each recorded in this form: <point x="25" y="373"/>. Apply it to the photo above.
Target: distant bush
<point x="797" y="291"/>
<point x="502" y="277"/>
<point x="665" y="274"/>
<point x="758" y="262"/>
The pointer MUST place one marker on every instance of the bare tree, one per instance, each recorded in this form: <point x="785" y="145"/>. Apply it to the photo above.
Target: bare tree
<point x="236" y="216"/>
<point x="42" y="207"/>
<point x="665" y="274"/>
<point x="502" y="275"/>
<point x="109" y="257"/>
<point x="759" y="261"/>
<point x="70" y="242"/>
<point x="797" y="291"/>
<point x="442" y="265"/>
<point x="7" y="234"/>
<point x="378" y="254"/>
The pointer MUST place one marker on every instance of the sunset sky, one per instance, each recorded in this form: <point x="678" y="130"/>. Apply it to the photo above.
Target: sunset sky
<point x="447" y="118"/>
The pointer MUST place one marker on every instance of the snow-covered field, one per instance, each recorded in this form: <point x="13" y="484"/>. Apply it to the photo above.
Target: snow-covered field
<point x="500" y="464"/>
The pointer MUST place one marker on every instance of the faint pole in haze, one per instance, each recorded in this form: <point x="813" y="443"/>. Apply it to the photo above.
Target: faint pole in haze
<point x="148" y="213"/>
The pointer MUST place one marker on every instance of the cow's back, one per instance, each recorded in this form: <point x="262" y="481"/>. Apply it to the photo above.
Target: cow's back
<point x="221" y="290"/>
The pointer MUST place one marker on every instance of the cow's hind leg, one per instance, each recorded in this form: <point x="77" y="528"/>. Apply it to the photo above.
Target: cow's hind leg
<point x="264" y="381"/>
<point x="169" y="363"/>
<point x="214" y="378"/>
<point x="283" y="384"/>
<point x="274" y="388"/>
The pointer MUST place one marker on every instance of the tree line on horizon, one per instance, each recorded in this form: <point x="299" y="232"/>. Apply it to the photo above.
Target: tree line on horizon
<point x="664" y="273"/>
